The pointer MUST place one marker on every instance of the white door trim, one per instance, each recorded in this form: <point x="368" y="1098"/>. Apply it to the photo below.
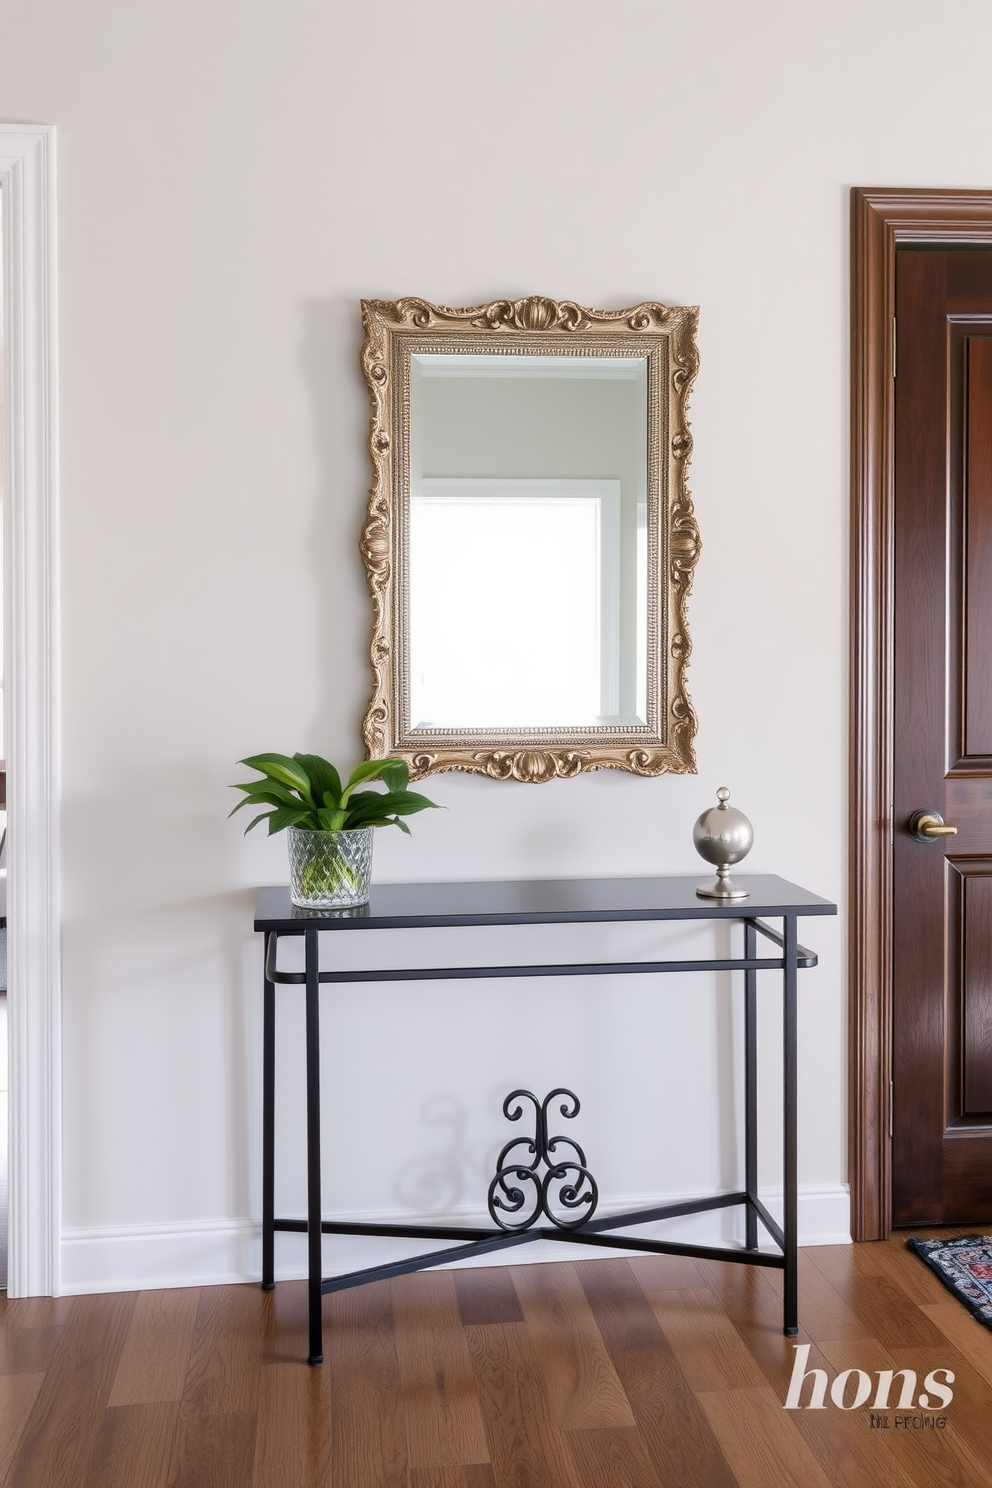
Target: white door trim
<point x="31" y="671"/>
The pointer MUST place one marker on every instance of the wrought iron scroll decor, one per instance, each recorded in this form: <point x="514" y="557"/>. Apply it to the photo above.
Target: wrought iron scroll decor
<point x="519" y="1194"/>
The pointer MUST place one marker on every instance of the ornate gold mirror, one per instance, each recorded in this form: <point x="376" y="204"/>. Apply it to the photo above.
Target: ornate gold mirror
<point x="530" y="538"/>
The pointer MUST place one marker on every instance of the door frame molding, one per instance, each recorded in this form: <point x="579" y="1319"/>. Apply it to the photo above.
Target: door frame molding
<point x="881" y="220"/>
<point x="31" y="671"/>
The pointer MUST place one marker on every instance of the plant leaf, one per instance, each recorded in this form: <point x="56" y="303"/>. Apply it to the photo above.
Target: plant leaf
<point x="331" y="819"/>
<point x="268" y="790"/>
<point x="406" y="802"/>
<point x="254" y="801"/>
<point x="396" y="774"/>
<point x="367" y="770"/>
<point x="369" y="804"/>
<point x="324" y="779"/>
<point x="266" y="800"/>
<point x="261" y="817"/>
<point x="285" y="817"/>
<point x="280" y="767"/>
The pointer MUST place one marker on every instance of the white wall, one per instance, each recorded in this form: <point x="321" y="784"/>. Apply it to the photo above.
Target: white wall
<point x="233" y="177"/>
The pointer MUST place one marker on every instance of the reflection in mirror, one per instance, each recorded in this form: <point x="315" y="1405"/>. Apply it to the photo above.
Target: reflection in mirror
<point x="537" y="466"/>
<point x="559" y="541"/>
<point x="530" y="540"/>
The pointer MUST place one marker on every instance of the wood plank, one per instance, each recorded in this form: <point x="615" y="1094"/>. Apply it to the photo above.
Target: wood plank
<point x="969" y="1337"/>
<point x="157" y="1349"/>
<point x="672" y="1273"/>
<point x="226" y="1356"/>
<point x="62" y="1430"/>
<point x="283" y="1320"/>
<point x="476" y="1475"/>
<point x="369" y="1447"/>
<point x="830" y="1311"/>
<point x="968" y="1413"/>
<point x="711" y="1353"/>
<point x="526" y="1448"/>
<point x="18" y="1393"/>
<point x="882" y="1308"/>
<point x="212" y="1449"/>
<point x="844" y="1443"/>
<point x="486" y="1295"/>
<point x="581" y="1383"/>
<point x="760" y="1439"/>
<point x="930" y="1458"/>
<point x="752" y="1299"/>
<point x="134" y="1446"/>
<point x="674" y="1428"/>
<point x="890" y="1258"/>
<point x="34" y="1312"/>
<point x="28" y="1350"/>
<point x="613" y="1457"/>
<point x="444" y="1425"/>
<point x="215" y="1434"/>
<point x="294" y="1427"/>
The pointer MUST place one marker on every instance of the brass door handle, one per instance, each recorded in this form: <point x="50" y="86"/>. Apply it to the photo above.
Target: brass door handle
<point x="927" y="826"/>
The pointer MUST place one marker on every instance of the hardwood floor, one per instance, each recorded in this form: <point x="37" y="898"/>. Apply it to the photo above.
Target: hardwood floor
<point x="656" y="1372"/>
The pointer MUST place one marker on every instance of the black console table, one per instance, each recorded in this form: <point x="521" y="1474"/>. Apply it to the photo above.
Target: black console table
<point x="547" y="902"/>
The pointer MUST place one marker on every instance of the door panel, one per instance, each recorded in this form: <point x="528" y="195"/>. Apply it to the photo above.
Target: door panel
<point x="975" y="1055"/>
<point x="977" y="618"/>
<point x="942" y="1001"/>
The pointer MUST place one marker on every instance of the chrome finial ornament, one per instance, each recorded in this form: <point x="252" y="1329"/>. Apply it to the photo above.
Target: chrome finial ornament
<point x="723" y="836"/>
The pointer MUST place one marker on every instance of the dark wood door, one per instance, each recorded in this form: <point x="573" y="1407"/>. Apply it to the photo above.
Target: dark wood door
<point x="942" y="1002"/>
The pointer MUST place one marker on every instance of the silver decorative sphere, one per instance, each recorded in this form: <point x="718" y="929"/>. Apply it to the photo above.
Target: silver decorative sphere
<point x="723" y="836"/>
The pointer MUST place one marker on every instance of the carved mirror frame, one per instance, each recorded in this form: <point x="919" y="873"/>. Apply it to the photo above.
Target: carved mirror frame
<point x="395" y="331"/>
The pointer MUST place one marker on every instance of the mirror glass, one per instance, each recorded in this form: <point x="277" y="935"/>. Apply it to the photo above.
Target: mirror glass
<point x="528" y="501"/>
<point x="530" y="538"/>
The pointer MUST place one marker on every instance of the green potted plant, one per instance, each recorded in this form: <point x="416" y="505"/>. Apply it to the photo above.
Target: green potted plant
<point x="330" y="825"/>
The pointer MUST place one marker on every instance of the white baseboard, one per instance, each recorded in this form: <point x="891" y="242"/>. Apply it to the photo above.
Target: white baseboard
<point x="824" y="1213"/>
<point x="210" y="1253"/>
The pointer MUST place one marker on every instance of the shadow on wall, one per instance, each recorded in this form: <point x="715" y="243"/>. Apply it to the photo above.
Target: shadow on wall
<point x="436" y="1179"/>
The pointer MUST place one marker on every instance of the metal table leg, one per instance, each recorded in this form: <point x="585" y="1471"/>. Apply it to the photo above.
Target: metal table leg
<point x="314" y="1261"/>
<point x="750" y="1088"/>
<point x="790" y="977"/>
<point x="268" y="1126"/>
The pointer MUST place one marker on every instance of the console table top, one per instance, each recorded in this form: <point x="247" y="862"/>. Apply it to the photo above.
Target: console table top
<point x="542" y="902"/>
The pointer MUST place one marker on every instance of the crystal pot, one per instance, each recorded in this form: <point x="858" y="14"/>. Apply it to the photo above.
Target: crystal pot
<point x="330" y="870"/>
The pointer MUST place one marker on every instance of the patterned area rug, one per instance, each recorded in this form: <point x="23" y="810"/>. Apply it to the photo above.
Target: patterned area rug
<point x="965" y="1266"/>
